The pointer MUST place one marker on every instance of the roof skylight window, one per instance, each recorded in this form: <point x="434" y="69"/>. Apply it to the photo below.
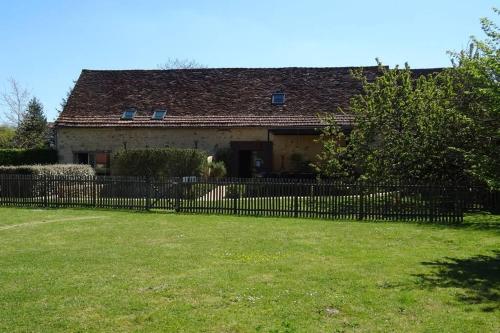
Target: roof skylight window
<point x="128" y="114"/>
<point x="159" y="114"/>
<point x="278" y="98"/>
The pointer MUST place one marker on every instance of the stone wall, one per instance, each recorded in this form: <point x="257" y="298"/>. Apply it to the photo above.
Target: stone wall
<point x="71" y="140"/>
<point x="284" y="146"/>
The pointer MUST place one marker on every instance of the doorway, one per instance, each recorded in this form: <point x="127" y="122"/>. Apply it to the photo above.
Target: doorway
<point x="251" y="158"/>
<point x="245" y="163"/>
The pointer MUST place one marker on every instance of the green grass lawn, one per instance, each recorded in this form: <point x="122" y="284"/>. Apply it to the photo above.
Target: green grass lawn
<point x="96" y="270"/>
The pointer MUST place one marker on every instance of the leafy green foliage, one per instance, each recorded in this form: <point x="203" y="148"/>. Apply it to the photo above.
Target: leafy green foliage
<point x="14" y="156"/>
<point x="6" y="137"/>
<point x="334" y="159"/>
<point x="406" y="128"/>
<point x="476" y="79"/>
<point x="440" y="127"/>
<point x="32" y="131"/>
<point x="159" y="162"/>
<point x="225" y="155"/>
<point x="217" y="169"/>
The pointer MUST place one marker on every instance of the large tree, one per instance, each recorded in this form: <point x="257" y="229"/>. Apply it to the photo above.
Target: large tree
<point x="14" y="100"/>
<point x="405" y="129"/>
<point x="439" y="127"/>
<point x="32" y="132"/>
<point x="476" y="78"/>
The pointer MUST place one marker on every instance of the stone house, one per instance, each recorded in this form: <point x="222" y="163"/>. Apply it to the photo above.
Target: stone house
<point x="266" y="117"/>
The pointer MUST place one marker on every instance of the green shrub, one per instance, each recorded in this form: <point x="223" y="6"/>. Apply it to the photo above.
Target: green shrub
<point x="42" y="187"/>
<point x="73" y="170"/>
<point x="159" y="162"/>
<point x="225" y="155"/>
<point x="6" y="137"/>
<point x="27" y="156"/>
<point x="216" y="169"/>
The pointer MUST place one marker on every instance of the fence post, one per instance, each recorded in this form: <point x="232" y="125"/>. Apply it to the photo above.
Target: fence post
<point x="235" y="202"/>
<point x="45" y="191"/>
<point x="148" y="193"/>
<point x="94" y="191"/>
<point x="177" y="185"/>
<point x="431" y="204"/>
<point x="495" y="201"/>
<point x="461" y="202"/>
<point x="239" y="192"/>
<point x="361" y="201"/>
<point x="296" y="205"/>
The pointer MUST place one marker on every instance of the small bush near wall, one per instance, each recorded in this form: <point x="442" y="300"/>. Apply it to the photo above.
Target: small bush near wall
<point x="215" y="170"/>
<point x="73" y="170"/>
<point x="225" y="155"/>
<point x="27" y="156"/>
<point x="160" y="162"/>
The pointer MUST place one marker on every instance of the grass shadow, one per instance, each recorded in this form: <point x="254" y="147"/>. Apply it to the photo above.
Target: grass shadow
<point x="472" y="221"/>
<point x="481" y="221"/>
<point x="478" y="276"/>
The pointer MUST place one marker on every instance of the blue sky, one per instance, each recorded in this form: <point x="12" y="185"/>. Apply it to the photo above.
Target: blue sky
<point x="45" y="44"/>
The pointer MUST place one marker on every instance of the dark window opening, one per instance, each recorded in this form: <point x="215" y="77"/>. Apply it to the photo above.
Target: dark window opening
<point x="82" y="158"/>
<point x="100" y="161"/>
<point x="278" y="99"/>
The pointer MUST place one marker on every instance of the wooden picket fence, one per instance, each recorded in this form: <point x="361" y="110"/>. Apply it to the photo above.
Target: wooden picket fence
<point x="263" y="197"/>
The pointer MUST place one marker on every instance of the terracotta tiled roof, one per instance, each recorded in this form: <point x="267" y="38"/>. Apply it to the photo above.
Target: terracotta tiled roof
<point x="225" y="97"/>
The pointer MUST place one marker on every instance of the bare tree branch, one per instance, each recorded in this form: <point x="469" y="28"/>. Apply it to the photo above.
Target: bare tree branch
<point x="175" y="63"/>
<point x="14" y="100"/>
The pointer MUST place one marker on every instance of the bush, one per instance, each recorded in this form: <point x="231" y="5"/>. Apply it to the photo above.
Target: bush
<point x="37" y="188"/>
<point x="27" y="156"/>
<point x="73" y="170"/>
<point x="225" y="155"/>
<point x="216" y="169"/>
<point x="159" y="162"/>
<point x="6" y="137"/>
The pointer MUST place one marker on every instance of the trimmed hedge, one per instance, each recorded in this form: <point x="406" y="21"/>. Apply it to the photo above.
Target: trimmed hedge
<point x="159" y="162"/>
<point x="27" y="156"/>
<point x="36" y="188"/>
<point x="74" y="170"/>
